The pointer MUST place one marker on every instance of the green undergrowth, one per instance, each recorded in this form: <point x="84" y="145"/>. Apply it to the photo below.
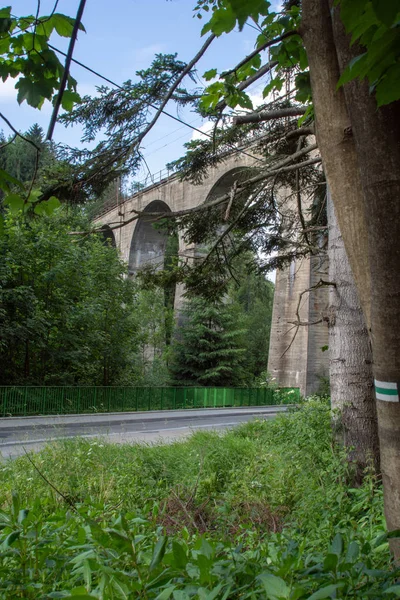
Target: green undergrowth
<point x="267" y="510"/>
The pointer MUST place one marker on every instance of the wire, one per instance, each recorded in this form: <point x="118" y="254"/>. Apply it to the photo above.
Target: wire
<point x="151" y="105"/>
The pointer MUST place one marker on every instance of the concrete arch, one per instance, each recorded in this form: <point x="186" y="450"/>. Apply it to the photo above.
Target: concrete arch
<point x="148" y="243"/>
<point x="226" y="181"/>
<point x="108" y="236"/>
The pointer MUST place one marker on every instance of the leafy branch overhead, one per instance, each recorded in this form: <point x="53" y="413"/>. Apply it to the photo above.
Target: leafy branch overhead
<point x="25" y="53"/>
<point x="27" y="57"/>
<point x="371" y="24"/>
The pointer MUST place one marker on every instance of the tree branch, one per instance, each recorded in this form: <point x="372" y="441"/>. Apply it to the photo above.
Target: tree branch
<point x="32" y="143"/>
<point x="299" y="132"/>
<point x="263" y="115"/>
<point x="267" y="44"/>
<point x="67" y="65"/>
<point x="279" y="168"/>
<point x="299" y="323"/>
<point x="247" y="82"/>
<point x="173" y="87"/>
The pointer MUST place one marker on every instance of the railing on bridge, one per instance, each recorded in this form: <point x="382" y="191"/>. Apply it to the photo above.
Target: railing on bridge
<point x="52" y="400"/>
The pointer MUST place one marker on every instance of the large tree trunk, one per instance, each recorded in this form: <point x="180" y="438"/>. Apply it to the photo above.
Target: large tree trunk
<point x="350" y="356"/>
<point x="335" y="142"/>
<point x="369" y="185"/>
<point x="377" y="139"/>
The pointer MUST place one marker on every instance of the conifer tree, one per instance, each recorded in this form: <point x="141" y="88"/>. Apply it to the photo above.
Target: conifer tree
<point x="210" y="349"/>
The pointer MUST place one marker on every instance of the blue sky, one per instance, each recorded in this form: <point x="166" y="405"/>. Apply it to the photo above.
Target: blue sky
<point x="122" y="37"/>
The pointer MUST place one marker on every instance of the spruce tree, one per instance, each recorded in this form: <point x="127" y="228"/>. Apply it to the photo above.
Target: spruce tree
<point x="210" y="349"/>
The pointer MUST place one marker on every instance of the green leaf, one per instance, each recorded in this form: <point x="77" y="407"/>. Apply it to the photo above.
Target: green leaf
<point x="337" y="545"/>
<point x="6" y="179"/>
<point x="388" y="89"/>
<point x="352" y="553"/>
<point x="5" y="19"/>
<point x="47" y="207"/>
<point x="70" y="98"/>
<point x="14" y="202"/>
<point x="64" y="25"/>
<point x="326" y="592"/>
<point x="166" y="594"/>
<point x="244" y="101"/>
<point x="275" y="587"/>
<point x="394" y="589"/>
<point x="159" y="552"/>
<point x="222" y="21"/>
<point x="29" y="91"/>
<point x="179" y="553"/>
<point x="210" y="74"/>
<point x="330" y="562"/>
<point x="386" y="10"/>
<point x="11" y="538"/>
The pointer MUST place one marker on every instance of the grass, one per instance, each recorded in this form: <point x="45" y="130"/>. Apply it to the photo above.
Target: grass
<point x="267" y="510"/>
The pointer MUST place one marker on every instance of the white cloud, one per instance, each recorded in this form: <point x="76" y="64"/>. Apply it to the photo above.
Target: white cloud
<point x="207" y="127"/>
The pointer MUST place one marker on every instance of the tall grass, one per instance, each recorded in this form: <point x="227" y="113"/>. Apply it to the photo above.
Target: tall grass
<point x="267" y="510"/>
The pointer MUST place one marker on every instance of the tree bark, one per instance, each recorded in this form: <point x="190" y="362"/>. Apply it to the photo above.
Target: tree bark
<point x="335" y="141"/>
<point x="377" y="139"/>
<point x="350" y="356"/>
<point x="360" y="148"/>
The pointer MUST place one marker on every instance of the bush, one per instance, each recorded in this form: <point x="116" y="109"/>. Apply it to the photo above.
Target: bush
<point x="266" y="510"/>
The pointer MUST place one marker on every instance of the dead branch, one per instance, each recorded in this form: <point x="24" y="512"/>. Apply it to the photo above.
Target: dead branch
<point x="232" y="196"/>
<point x="269" y="115"/>
<point x="300" y="132"/>
<point x="299" y="323"/>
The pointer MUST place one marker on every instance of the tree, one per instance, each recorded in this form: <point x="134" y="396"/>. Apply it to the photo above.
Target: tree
<point x="357" y="133"/>
<point x="254" y="295"/>
<point x="67" y="310"/>
<point x="209" y="350"/>
<point x="22" y="161"/>
<point x="351" y="379"/>
<point x="27" y="55"/>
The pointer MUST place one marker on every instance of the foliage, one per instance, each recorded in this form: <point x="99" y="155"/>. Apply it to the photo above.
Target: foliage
<point x="209" y="349"/>
<point x="66" y="307"/>
<point x="21" y="160"/>
<point x="371" y="23"/>
<point x="178" y="521"/>
<point x="122" y="116"/>
<point x="25" y="52"/>
<point x="254" y="295"/>
<point x="154" y="320"/>
<point x="25" y="55"/>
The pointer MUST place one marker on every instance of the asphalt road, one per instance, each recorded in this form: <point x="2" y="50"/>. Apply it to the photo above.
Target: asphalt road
<point x="32" y="433"/>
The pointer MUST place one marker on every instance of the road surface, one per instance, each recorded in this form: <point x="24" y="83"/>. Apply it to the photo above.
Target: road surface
<point x="32" y="433"/>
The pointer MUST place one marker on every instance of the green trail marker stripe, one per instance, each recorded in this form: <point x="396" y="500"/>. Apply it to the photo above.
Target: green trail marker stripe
<point x="388" y="391"/>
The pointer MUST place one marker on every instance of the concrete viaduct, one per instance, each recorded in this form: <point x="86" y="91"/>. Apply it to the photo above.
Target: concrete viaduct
<point x="139" y="243"/>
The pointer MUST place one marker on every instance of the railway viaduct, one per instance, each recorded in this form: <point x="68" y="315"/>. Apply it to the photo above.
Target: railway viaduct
<point x="293" y="363"/>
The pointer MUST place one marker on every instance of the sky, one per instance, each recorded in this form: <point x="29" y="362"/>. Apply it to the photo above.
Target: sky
<point x="122" y="37"/>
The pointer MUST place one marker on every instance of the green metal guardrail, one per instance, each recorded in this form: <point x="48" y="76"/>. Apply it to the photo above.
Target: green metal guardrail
<point x="49" y="400"/>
